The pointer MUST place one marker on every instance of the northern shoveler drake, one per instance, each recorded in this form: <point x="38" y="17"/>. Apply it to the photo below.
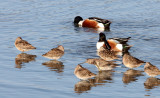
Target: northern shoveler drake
<point x="55" y="53"/>
<point x="151" y="70"/>
<point x="23" y="45"/>
<point x="113" y="44"/>
<point x="92" y="22"/>
<point x="83" y="73"/>
<point x="130" y="61"/>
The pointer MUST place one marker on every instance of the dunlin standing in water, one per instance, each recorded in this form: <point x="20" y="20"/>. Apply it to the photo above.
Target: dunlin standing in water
<point x="130" y="61"/>
<point x="112" y="44"/>
<point x="92" y="22"/>
<point x="83" y="73"/>
<point x="107" y="54"/>
<point x="151" y="70"/>
<point x="101" y="64"/>
<point x="23" y="45"/>
<point x="55" y="53"/>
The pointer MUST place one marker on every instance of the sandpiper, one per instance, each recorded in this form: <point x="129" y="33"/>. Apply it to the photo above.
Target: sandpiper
<point x="101" y="64"/>
<point x="55" y="53"/>
<point x="83" y="73"/>
<point x="107" y="54"/>
<point x="23" y="45"/>
<point x="151" y="70"/>
<point x="130" y="61"/>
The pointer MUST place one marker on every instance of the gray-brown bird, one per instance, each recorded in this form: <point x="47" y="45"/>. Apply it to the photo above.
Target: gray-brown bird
<point x="107" y="54"/>
<point x="55" y="53"/>
<point x="130" y="61"/>
<point x="151" y="70"/>
<point x="101" y="64"/>
<point x="83" y="73"/>
<point x="23" y="45"/>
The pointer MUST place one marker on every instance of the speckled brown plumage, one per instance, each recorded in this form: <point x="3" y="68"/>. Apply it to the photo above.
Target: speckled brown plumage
<point x="151" y="70"/>
<point x="55" y="53"/>
<point x="23" y="45"/>
<point x="102" y="64"/>
<point x="130" y="61"/>
<point x="107" y="54"/>
<point x="83" y="73"/>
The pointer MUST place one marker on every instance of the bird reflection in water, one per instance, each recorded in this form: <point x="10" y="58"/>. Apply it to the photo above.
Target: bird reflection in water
<point x="101" y="78"/>
<point x="54" y="65"/>
<point x="151" y="83"/>
<point x="82" y="86"/>
<point x="130" y="75"/>
<point x="23" y="58"/>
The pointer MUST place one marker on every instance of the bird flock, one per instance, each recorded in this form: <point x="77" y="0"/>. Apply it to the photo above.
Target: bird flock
<point x="107" y="50"/>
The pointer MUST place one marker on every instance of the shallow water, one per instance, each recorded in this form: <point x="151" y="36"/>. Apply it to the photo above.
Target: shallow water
<point x="48" y="23"/>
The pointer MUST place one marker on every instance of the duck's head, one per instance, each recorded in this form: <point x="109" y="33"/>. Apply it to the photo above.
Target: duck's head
<point x="77" y="19"/>
<point x="102" y="37"/>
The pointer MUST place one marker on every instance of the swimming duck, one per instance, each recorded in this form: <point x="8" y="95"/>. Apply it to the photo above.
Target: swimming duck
<point x="92" y="22"/>
<point x="113" y="44"/>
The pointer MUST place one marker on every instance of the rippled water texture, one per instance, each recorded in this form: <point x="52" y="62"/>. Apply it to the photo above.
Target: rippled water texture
<point x="48" y="23"/>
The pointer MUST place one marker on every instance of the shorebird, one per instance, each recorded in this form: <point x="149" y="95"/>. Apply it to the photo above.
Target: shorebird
<point x="23" y="45"/>
<point x="106" y="54"/>
<point x="101" y="64"/>
<point x="83" y="73"/>
<point x="151" y="70"/>
<point x="55" y="53"/>
<point x="130" y="61"/>
<point x="112" y="44"/>
<point x="92" y="22"/>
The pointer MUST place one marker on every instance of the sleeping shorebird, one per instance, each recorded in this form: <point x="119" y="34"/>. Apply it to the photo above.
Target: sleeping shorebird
<point x="106" y="54"/>
<point x="101" y="64"/>
<point x="92" y="22"/>
<point x="130" y="61"/>
<point x="151" y="70"/>
<point x="112" y="44"/>
<point x="55" y="53"/>
<point x="23" y="45"/>
<point x="83" y="73"/>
